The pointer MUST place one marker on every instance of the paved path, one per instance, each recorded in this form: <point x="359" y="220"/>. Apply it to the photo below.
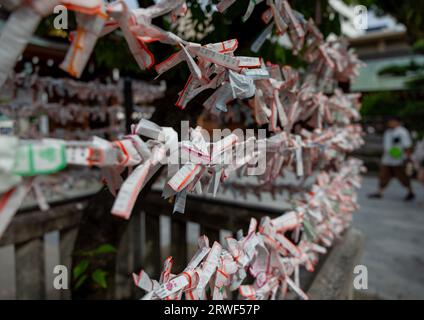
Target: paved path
<point x="394" y="244"/>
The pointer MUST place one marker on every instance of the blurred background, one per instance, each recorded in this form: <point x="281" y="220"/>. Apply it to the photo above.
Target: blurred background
<point x="391" y="83"/>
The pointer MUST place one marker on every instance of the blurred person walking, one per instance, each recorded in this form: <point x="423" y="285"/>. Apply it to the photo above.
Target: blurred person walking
<point x="397" y="144"/>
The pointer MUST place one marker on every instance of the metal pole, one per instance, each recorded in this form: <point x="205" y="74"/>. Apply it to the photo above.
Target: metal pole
<point x="128" y="103"/>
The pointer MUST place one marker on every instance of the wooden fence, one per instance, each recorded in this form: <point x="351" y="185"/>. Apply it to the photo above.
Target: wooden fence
<point x="141" y="245"/>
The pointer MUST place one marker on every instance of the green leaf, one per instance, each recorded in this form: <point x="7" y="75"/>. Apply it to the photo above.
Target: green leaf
<point x="418" y="46"/>
<point x="83" y="253"/>
<point x="80" y="268"/>
<point x="80" y="281"/>
<point x="99" y="277"/>
<point x="104" y="248"/>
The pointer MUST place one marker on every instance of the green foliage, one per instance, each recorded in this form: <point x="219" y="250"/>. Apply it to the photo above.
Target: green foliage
<point x="45" y="28"/>
<point x="382" y="104"/>
<point x="80" y="268"/>
<point x="418" y="46"/>
<point x="229" y="25"/>
<point x="416" y="83"/>
<point x="413" y="109"/>
<point x="80" y="281"/>
<point x="104" y="248"/>
<point x="99" y="277"/>
<point x="112" y="52"/>
<point x="80" y="272"/>
<point x="401" y="70"/>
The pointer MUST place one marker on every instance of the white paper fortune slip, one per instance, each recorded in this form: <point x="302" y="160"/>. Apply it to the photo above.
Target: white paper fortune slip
<point x="18" y="30"/>
<point x="89" y="29"/>
<point x="215" y="57"/>
<point x="172" y="286"/>
<point x="180" y="201"/>
<point x="184" y="176"/>
<point x="130" y="189"/>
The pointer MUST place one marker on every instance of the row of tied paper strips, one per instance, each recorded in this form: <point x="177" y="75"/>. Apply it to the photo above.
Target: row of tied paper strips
<point x="66" y="101"/>
<point x="26" y="88"/>
<point x="267" y="253"/>
<point x="275" y="97"/>
<point x="204" y="164"/>
<point x="216" y="68"/>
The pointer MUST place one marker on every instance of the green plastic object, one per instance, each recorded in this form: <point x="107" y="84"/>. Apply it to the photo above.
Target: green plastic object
<point x="396" y="152"/>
